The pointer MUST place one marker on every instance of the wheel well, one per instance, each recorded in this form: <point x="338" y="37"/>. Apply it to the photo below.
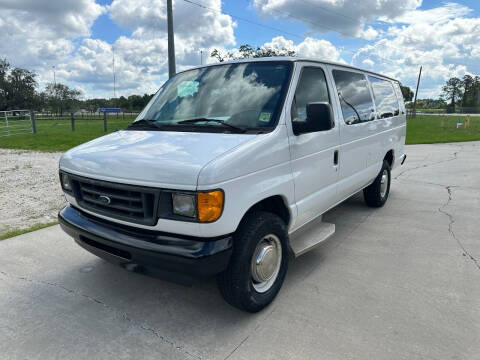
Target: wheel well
<point x="274" y="204"/>
<point x="389" y="157"/>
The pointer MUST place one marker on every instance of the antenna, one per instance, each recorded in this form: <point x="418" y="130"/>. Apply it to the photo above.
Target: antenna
<point x="113" y="66"/>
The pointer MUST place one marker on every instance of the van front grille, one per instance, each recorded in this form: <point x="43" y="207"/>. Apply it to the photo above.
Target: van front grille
<point x="124" y="202"/>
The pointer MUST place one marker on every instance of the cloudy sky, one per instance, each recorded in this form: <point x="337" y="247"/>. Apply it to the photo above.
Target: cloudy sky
<point x="393" y="37"/>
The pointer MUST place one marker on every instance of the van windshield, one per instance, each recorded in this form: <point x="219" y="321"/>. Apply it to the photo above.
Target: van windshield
<point x="239" y="97"/>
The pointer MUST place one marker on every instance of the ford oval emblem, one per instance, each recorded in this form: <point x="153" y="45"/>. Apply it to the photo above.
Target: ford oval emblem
<point x="105" y="199"/>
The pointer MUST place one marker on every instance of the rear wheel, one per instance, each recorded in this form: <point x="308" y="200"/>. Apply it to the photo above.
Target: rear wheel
<point x="259" y="262"/>
<point x="376" y="194"/>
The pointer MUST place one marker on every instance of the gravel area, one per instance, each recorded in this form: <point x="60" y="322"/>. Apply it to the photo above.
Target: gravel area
<point x="29" y="189"/>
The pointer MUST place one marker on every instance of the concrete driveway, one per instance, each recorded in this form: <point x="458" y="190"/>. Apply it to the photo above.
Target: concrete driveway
<point x="401" y="282"/>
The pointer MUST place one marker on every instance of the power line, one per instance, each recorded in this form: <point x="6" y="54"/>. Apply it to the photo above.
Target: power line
<point x="243" y="19"/>
<point x="276" y="29"/>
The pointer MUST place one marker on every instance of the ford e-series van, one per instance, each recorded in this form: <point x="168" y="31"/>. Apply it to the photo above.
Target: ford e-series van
<point x="229" y="168"/>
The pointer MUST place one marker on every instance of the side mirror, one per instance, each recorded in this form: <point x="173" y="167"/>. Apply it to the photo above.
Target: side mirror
<point x="319" y="118"/>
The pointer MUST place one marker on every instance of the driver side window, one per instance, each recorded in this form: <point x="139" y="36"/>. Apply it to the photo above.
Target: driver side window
<point x="312" y="87"/>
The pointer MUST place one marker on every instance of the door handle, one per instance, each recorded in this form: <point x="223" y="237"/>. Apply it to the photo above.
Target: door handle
<point x="335" y="158"/>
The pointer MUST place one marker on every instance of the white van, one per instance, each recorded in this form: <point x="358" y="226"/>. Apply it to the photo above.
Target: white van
<point x="228" y="166"/>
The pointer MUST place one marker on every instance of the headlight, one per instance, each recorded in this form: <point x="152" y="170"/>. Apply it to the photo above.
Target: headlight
<point x="183" y="204"/>
<point x="65" y="182"/>
<point x="209" y="205"/>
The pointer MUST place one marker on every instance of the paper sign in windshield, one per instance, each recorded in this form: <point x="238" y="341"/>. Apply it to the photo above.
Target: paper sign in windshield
<point x="264" y="117"/>
<point x="187" y="88"/>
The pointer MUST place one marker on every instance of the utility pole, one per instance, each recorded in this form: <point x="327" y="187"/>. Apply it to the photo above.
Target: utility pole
<point x="54" y="87"/>
<point x="201" y="57"/>
<point x="113" y="67"/>
<point x="171" y="42"/>
<point x="416" y="93"/>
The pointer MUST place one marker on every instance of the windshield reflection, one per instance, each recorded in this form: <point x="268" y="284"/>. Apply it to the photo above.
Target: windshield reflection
<point x="244" y="95"/>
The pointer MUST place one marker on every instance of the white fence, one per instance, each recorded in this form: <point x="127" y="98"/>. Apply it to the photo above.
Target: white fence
<point x="15" y="122"/>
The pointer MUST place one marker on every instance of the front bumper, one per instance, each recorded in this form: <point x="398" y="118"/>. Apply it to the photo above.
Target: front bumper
<point x="146" y="251"/>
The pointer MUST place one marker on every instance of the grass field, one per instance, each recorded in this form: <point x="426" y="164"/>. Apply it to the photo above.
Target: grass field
<point x="56" y="135"/>
<point x="428" y="129"/>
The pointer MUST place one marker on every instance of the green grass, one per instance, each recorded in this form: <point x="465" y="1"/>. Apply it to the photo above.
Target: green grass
<point x="56" y="135"/>
<point x="24" y="231"/>
<point x="429" y="129"/>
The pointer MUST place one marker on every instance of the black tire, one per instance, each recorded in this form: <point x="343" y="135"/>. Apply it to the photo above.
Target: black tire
<point x="235" y="283"/>
<point x="373" y="193"/>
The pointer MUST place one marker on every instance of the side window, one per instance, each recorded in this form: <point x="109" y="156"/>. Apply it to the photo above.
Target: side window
<point x="385" y="98"/>
<point x="312" y="87"/>
<point x="355" y="98"/>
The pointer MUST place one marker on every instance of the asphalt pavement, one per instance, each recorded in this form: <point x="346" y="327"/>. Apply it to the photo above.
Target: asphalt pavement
<point x="400" y="282"/>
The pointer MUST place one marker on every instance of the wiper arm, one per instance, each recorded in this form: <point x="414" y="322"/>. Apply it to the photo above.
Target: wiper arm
<point x="144" y="123"/>
<point x="218" y="121"/>
<point x="353" y="107"/>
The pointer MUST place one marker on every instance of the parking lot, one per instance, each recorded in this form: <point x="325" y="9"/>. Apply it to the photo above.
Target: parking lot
<point x="400" y="282"/>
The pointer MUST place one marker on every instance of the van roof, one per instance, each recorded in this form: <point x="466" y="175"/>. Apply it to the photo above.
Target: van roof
<point x="293" y="59"/>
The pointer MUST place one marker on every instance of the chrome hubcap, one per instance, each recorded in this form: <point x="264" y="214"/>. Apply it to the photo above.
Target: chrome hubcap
<point x="265" y="264"/>
<point x="384" y="183"/>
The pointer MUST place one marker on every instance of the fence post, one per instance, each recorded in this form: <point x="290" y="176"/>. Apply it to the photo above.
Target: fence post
<point x="33" y="121"/>
<point x="72" y="121"/>
<point x="105" y="121"/>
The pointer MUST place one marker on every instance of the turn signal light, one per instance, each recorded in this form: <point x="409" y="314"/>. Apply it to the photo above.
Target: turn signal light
<point x="209" y="205"/>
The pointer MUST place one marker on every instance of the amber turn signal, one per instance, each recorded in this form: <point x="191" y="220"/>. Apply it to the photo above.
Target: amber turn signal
<point x="209" y="205"/>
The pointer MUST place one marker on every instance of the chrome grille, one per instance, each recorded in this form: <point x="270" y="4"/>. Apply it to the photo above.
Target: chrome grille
<point x="125" y="202"/>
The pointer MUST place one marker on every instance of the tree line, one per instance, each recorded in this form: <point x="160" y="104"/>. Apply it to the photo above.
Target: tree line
<point x="18" y="90"/>
<point x="464" y="92"/>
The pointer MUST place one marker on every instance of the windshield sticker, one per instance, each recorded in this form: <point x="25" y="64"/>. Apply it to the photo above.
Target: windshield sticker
<point x="264" y="117"/>
<point x="187" y="88"/>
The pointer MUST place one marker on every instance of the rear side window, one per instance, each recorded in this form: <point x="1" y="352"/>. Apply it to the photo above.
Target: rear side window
<point x="312" y="87"/>
<point x="398" y="91"/>
<point x="355" y="98"/>
<point x="385" y="98"/>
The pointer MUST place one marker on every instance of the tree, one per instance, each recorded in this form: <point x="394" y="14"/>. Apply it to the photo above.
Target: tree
<point x="4" y="67"/>
<point x="17" y="87"/>
<point x="407" y="93"/>
<point x="471" y="87"/>
<point x="61" y="98"/>
<point x="453" y="90"/>
<point x="247" y="51"/>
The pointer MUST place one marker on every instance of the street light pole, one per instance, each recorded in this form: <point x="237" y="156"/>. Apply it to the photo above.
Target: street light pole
<point x="171" y="41"/>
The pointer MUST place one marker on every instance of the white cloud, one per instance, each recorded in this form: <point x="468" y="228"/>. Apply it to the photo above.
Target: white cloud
<point x="39" y="33"/>
<point x="141" y="59"/>
<point x="368" y="62"/>
<point x="347" y="17"/>
<point x="369" y="33"/>
<point x="67" y="18"/>
<point x="439" y="40"/>
<point x="311" y="48"/>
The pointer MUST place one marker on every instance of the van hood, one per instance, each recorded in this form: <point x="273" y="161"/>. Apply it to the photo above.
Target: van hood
<point x="159" y="158"/>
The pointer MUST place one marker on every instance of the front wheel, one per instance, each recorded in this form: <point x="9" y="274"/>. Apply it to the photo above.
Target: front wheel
<point x="376" y="194"/>
<point x="258" y="264"/>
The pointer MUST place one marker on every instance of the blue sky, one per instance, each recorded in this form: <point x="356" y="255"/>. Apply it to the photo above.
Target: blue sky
<point x="393" y="37"/>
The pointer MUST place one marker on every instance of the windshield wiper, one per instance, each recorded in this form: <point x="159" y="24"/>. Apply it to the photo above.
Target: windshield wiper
<point x="144" y="123"/>
<point x="346" y="102"/>
<point x="218" y="121"/>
